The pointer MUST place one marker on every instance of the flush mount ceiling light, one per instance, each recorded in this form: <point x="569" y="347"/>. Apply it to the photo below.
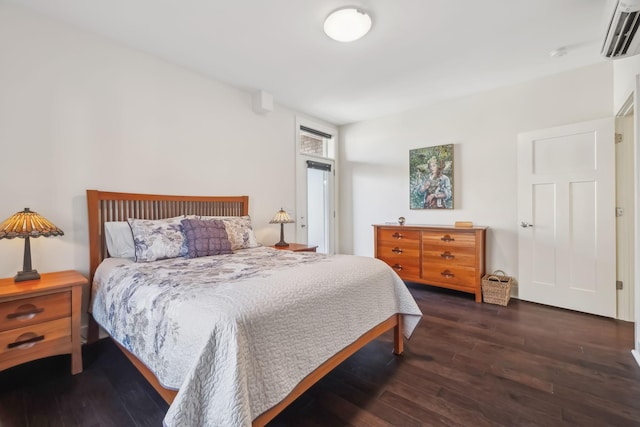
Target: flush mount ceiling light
<point x="347" y="25"/>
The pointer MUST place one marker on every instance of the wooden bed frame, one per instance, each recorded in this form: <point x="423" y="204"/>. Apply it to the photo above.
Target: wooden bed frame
<point x="110" y="206"/>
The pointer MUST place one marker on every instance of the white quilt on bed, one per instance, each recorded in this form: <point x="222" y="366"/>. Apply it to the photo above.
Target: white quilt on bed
<point x="236" y="333"/>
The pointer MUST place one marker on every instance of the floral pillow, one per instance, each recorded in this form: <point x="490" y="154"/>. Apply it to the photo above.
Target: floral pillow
<point x="239" y="231"/>
<point x="205" y="237"/>
<point x="158" y="239"/>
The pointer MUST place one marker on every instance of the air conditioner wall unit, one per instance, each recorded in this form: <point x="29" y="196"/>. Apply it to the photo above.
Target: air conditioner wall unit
<point x="622" y="38"/>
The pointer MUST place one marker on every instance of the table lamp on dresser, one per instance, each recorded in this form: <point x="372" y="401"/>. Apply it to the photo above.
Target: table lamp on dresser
<point x="282" y="218"/>
<point x="26" y="224"/>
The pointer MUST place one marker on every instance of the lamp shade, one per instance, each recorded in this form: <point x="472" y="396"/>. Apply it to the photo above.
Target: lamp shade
<point x="26" y="224"/>
<point x="281" y="217"/>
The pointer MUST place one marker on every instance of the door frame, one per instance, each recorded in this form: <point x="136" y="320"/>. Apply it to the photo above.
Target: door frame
<point x="301" y="181"/>
<point x="636" y="119"/>
<point x="625" y="199"/>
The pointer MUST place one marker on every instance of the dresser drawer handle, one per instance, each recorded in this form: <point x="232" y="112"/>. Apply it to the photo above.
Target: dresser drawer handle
<point x="25" y="342"/>
<point x="397" y="235"/>
<point x="447" y="274"/>
<point x="396" y="250"/>
<point x="29" y="312"/>
<point x="447" y="255"/>
<point x="447" y="238"/>
<point x="397" y="267"/>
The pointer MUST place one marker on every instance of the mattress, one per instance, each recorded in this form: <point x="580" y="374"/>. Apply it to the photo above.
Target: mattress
<point x="236" y="333"/>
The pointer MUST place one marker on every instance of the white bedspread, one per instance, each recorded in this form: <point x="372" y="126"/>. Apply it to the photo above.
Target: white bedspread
<point x="236" y="333"/>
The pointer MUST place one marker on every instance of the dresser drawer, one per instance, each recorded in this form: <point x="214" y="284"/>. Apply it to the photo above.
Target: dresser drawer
<point x="450" y="255"/>
<point x="34" y="338"/>
<point x="399" y="250"/>
<point x="389" y="235"/>
<point x="407" y="268"/>
<point x="29" y="311"/>
<point x="461" y="277"/>
<point x="448" y="238"/>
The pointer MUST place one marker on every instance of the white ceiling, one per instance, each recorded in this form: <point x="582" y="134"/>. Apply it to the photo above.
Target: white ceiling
<point x="418" y="51"/>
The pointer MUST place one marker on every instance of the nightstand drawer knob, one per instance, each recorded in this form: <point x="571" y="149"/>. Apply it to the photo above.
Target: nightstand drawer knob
<point x="27" y="342"/>
<point x="397" y="267"/>
<point x="396" y="250"/>
<point x="448" y="274"/>
<point x="397" y="236"/>
<point x="447" y="238"/>
<point x="25" y="312"/>
<point x="447" y="255"/>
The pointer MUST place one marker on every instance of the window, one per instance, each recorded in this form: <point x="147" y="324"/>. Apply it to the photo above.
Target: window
<point x="316" y="143"/>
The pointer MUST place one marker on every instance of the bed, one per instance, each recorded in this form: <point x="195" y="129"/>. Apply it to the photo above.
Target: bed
<point x="232" y="339"/>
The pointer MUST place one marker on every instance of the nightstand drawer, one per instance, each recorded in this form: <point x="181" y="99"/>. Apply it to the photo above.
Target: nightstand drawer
<point x="29" y="311"/>
<point x="35" y="339"/>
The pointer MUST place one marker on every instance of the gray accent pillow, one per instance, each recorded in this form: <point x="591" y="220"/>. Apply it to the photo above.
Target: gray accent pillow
<point x="205" y="237"/>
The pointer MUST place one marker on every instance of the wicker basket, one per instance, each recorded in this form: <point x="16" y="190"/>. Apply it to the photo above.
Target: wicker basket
<point x="496" y="288"/>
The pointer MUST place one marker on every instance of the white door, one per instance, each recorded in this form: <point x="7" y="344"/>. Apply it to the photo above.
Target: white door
<point x="566" y="209"/>
<point x="315" y="202"/>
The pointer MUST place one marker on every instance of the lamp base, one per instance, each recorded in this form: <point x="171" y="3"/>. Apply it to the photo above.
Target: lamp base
<point x="23" y="276"/>
<point x="281" y="243"/>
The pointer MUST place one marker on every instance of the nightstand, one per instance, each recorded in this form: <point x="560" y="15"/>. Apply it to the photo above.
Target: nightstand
<point x="297" y="247"/>
<point x="41" y="318"/>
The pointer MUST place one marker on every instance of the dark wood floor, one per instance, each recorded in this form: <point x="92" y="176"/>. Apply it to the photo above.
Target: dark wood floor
<point x="467" y="364"/>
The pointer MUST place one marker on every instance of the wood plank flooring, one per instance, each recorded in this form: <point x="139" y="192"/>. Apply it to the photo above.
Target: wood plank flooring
<point x="467" y="364"/>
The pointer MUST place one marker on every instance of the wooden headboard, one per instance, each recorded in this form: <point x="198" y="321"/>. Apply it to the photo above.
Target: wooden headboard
<point x="109" y="206"/>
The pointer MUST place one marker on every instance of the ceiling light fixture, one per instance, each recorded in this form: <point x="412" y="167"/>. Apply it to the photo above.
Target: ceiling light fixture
<point x="347" y="25"/>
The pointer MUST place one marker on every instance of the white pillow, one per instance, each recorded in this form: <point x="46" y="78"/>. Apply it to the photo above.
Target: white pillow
<point x="119" y="239"/>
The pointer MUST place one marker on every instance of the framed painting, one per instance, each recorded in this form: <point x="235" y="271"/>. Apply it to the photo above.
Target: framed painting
<point x="431" y="177"/>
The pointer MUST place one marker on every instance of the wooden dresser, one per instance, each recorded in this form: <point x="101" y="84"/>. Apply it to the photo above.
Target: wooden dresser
<point x="437" y="255"/>
<point x="41" y="318"/>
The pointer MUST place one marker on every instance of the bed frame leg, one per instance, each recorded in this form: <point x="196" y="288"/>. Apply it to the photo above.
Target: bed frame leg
<point x="398" y="342"/>
<point x="93" y="330"/>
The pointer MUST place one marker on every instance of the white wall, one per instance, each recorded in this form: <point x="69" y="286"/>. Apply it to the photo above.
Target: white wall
<point x="79" y="112"/>
<point x="624" y="79"/>
<point x="484" y="128"/>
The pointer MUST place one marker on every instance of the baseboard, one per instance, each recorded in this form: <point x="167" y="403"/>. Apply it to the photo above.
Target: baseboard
<point x="636" y="355"/>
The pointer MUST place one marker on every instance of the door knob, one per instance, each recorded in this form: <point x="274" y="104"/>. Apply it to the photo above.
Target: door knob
<point x="524" y="224"/>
